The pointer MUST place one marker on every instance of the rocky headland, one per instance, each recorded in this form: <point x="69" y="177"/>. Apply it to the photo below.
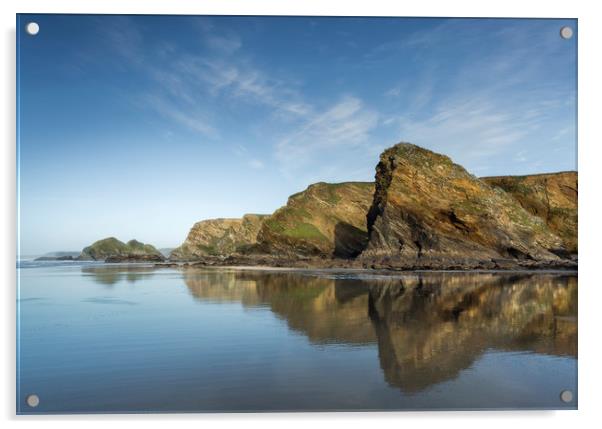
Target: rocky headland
<point x="219" y="237"/>
<point x="326" y="220"/>
<point x="58" y="256"/>
<point x="428" y="212"/>
<point x="422" y="212"/>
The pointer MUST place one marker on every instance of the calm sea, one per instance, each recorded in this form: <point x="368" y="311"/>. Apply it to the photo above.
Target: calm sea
<point x="99" y="338"/>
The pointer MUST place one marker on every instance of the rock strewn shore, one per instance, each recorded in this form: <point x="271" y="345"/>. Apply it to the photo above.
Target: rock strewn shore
<point x="379" y="264"/>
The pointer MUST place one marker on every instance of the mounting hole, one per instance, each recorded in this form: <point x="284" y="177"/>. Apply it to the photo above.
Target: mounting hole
<point x="566" y="396"/>
<point x="32" y="28"/>
<point x="566" y="32"/>
<point x="33" y="401"/>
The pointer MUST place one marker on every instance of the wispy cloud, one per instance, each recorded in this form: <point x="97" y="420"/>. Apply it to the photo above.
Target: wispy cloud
<point x="429" y="36"/>
<point x="123" y="37"/>
<point x="243" y="152"/>
<point x="488" y="104"/>
<point x="473" y="124"/>
<point x="564" y="132"/>
<point x="345" y="124"/>
<point x="224" y="44"/>
<point x="241" y="81"/>
<point x="488" y="101"/>
<point x="393" y="92"/>
<point x="256" y="164"/>
<point x="192" y="120"/>
<point x="474" y="127"/>
<point x="171" y="96"/>
<point x="184" y="80"/>
<point x="225" y="41"/>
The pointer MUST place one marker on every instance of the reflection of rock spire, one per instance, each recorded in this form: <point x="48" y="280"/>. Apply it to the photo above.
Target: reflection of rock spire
<point x="431" y="327"/>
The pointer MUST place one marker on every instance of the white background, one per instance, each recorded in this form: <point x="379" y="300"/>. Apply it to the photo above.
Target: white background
<point x="590" y="171"/>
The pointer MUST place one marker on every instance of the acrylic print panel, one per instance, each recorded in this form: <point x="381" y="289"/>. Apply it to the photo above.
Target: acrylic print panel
<point x="222" y="213"/>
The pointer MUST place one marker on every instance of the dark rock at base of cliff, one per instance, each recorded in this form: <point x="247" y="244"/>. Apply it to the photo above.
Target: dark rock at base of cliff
<point x="166" y="265"/>
<point x="467" y="264"/>
<point x="378" y="264"/>
<point x="135" y="258"/>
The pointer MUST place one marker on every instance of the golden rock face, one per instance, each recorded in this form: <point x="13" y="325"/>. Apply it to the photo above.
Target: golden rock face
<point x="425" y="206"/>
<point x="552" y="197"/>
<point x="219" y="237"/>
<point x="422" y="212"/>
<point x="327" y="219"/>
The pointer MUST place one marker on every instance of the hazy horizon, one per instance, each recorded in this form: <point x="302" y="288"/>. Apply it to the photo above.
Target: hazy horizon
<point x="140" y="126"/>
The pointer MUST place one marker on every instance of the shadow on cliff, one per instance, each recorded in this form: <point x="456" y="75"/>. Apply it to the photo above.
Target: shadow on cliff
<point x="349" y="241"/>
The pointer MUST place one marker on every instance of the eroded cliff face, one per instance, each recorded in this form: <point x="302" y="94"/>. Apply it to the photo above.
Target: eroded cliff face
<point x="423" y="212"/>
<point x="428" y="211"/>
<point x="552" y="197"/>
<point x="327" y="219"/>
<point x="113" y="250"/>
<point x="219" y="237"/>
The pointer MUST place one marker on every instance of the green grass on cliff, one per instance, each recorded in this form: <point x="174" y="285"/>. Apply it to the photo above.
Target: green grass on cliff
<point x="515" y="185"/>
<point x="299" y="230"/>
<point x="521" y="217"/>
<point x="416" y="155"/>
<point x="305" y="231"/>
<point x="328" y="191"/>
<point x="311" y="211"/>
<point x="471" y="207"/>
<point x="210" y="249"/>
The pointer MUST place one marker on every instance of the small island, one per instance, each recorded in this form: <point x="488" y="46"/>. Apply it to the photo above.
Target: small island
<point x="112" y="250"/>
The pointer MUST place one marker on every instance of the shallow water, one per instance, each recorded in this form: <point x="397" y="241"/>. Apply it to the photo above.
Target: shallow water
<point x="101" y="338"/>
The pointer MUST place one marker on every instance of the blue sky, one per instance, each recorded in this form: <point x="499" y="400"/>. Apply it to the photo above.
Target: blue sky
<point x="139" y="126"/>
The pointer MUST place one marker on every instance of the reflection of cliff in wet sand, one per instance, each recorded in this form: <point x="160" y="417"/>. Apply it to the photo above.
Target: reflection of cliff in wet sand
<point x="315" y="306"/>
<point x="431" y="327"/>
<point x="428" y="327"/>
<point x="221" y="286"/>
<point x="111" y="274"/>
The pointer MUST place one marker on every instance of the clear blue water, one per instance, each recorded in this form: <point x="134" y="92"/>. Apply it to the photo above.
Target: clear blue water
<point x="99" y="338"/>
